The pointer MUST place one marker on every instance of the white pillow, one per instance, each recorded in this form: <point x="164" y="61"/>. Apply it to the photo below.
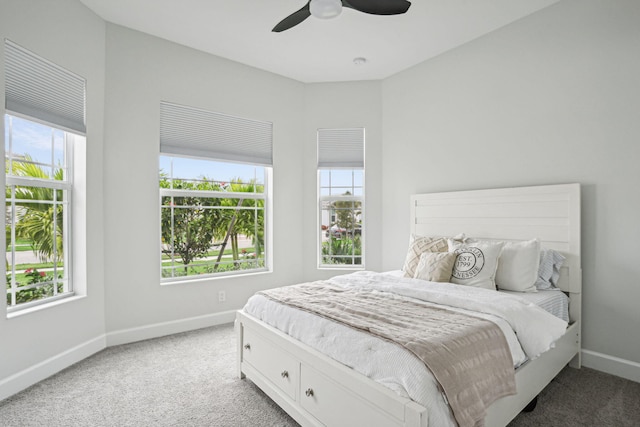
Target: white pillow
<point x="476" y="263"/>
<point x="518" y="266"/>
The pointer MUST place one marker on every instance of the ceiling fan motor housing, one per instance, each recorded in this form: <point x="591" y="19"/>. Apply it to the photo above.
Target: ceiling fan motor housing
<point x="325" y="9"/>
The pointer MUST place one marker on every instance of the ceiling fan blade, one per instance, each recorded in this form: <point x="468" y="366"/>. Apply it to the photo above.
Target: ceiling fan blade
<point x="378" y="7"/>
<point x="294" y="19"/>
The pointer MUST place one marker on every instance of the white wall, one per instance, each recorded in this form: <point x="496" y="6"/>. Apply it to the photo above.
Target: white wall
<point x="73" y="37"/>
<point x="141" y="71"/>
<point x="553" y="98"/>
<point x="343" y="105"/>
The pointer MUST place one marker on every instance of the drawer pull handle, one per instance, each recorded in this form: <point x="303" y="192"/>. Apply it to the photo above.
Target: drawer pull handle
<point x="285" y="374"/>
<point x="309" y="392"/>
<point x="247" y="346"/>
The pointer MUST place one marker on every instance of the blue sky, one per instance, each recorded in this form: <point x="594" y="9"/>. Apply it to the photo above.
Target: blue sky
<point x="188" y="168"/>
<point x="338" y="181"/>
<point x="37" y="140"/>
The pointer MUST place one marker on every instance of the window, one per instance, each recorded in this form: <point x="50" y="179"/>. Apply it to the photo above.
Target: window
<point x="214" y="192"/>
<point x="212" y="216"/>
<point x="341" y="197"/>
<point x="38" y="190"/>
<point x="45" y="118"/>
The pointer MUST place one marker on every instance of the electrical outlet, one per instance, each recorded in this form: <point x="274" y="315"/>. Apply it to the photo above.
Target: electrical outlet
<point x="222" y="296"/>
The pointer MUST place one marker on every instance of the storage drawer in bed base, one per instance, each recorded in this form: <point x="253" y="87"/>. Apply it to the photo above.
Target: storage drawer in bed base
<point x="337" y="395"/>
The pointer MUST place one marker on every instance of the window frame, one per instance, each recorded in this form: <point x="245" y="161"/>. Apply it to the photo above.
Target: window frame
<point x="341" y="198"/>
<point x="68" y="187"/>
<point x="265" y="196"/>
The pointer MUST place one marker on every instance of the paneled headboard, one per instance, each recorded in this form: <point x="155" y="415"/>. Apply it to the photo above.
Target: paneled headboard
<point x="550" y="212"/>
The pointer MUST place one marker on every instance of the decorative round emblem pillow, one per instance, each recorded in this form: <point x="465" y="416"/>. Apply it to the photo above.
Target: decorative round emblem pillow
<point x="476" y="263"/>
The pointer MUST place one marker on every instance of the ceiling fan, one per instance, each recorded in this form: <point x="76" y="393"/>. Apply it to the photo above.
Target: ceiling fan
<point x="326" y="9"/>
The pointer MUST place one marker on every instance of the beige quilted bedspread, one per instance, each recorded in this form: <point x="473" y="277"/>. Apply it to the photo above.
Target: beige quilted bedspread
<point x="468" y="356"/>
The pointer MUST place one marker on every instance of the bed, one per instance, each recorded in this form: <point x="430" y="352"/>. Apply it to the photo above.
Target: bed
<point x="309" y="382"/>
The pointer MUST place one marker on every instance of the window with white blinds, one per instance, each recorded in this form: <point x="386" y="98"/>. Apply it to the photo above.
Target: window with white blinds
<point x="341" y="197"/>
<point x="44" y="121"/>
<point x="214" y="189"/>
<point x="39" y="89"/>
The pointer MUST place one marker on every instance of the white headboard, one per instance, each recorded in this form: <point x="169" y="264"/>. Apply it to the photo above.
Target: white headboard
<point x="550" y="212"/>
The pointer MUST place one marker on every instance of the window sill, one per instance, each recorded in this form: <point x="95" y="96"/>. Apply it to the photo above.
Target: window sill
<point x="347" y="268"/>
<point x="44" y="306"/>
<point x="210" y="277"/>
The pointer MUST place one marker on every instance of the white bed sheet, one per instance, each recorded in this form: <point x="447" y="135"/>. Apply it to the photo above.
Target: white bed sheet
<point x="381" y="361"/>
<point x="553" y="301"/>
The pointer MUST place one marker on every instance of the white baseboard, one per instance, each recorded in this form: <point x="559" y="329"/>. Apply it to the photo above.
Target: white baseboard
<point x="36" y="373"/>
<point x="156" y="330"/>
<point x="611" y="365"/>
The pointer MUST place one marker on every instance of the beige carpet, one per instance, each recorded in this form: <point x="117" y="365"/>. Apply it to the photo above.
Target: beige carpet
<point x="585" y="397"/>
<point x="189" y="379"/>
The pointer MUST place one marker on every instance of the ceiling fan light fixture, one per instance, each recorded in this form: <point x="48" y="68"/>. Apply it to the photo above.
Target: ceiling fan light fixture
<point x="325" y="9"/>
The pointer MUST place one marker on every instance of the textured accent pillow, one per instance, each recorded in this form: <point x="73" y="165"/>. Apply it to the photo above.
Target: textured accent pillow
<point x="518" y="266"/>
<point x="435" y="266"/>
<point x="419" y="245"/>
<point x="476" y="263"/>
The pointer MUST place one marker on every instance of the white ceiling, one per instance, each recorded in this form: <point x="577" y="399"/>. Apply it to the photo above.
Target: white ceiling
<point x="317" y="50"/>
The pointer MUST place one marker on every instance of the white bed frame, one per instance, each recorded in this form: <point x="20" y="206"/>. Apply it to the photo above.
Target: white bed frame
<point x="316" y="390"/>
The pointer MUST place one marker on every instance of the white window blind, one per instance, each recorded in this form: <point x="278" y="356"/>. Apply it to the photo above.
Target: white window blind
<point x="341" y="148"/>
<point x="194" y="132"/>
<point x="42" y="90"/>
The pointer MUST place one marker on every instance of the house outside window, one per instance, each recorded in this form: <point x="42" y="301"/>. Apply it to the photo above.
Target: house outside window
<point x="341" y="198"/>
<point x="44" y="121"/>
<point x="215" y="173"/>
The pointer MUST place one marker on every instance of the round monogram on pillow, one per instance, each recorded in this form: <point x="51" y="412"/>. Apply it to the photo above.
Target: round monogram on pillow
<point x="469" y="262"/>
<point x="476" y="263"/>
